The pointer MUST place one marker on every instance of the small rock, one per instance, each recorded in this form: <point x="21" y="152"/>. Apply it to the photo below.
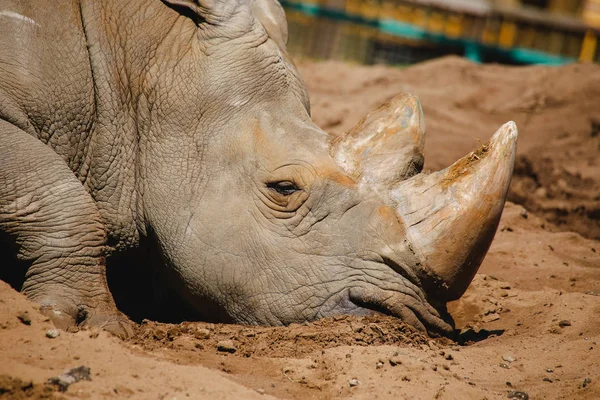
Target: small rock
<point x="52" y="333"/>
<point x="491" y="317"/>
<point x="564" y="322"/>
<point x="509" y="358"/>
<point x="353" y="382"/>
<point x="70" y="377"/>
<point x="261" y="391"/>
<point x="523" y="213"/>
<point x="546" y="379"/>
<point x="504" y="365"/>
<point x="395" y="360"/>
<point x="549" y="370"/>
<point x="449" y="357"/>
<point x="586" y="382"/>
<point x="202" y="333"/>
<point x="541" y="192"/>
<point x="519" y="395"/>
<point x="226" y="346"/>
<point x="379" y="365"/>
<point x="24" y="317"/>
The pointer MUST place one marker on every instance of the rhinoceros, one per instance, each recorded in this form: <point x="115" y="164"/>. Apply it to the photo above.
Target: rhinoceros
<point x="183" y="125"/>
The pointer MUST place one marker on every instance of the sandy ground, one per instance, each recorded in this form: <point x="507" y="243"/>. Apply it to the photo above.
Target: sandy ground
<point x="529" y="323"/>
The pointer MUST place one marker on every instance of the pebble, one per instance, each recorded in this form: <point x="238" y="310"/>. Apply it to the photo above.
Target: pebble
<point x="202" y="333"/>
<point x="353" y="382"/>
<point x="523" y="213"/>
<point x="379" y="365"/>
<point x="70" y="377"/>
<point x="586" y="382"/>
<point x="52" y="333"/>
<point x="395" y="360"/>
<point x="509" y="358"/>
<point x="519" y="395"/>
<point x="226" y="346"/>
<point x="546" y="379"/>
<point x="261" y="391"/>
<point x="504" y="365"/>
<point x="491" y="317"/>
<point x="24" y="317"/>
<point x="564" y="322"/>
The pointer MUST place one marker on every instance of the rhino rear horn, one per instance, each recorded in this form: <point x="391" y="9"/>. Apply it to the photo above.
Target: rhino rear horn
<point x="451" y="215"/>
<point x="386" y="146"/>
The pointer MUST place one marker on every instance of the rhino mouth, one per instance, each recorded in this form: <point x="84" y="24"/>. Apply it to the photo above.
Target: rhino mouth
<point x="408" y="307"/>
<point x="396" y="291"/>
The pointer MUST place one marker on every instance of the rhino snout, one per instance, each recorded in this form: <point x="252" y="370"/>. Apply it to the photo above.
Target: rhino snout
<point x="447" y="218"/>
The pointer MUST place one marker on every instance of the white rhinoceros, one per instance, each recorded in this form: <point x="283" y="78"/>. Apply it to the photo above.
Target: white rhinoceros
<point x="182" y="125"/>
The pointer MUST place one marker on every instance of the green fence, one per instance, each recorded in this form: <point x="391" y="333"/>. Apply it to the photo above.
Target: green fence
<point x="321" y="31"/>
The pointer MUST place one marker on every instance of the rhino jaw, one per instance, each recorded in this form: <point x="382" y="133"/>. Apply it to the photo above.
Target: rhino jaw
<point x="451" y="216"/>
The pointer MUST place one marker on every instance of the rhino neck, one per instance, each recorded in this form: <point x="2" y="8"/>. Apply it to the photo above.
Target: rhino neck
<point x="120" y="48"/>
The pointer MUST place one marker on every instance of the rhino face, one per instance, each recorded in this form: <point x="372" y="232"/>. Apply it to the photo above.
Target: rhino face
<point x="266" y="219"/>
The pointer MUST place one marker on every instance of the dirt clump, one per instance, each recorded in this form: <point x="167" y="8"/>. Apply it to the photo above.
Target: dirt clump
<point x="289" y="341"/>
<point x="16" y="389"/>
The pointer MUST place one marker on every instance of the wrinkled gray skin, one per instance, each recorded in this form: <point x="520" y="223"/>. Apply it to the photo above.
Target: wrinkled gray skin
<point x="185" y="123"/>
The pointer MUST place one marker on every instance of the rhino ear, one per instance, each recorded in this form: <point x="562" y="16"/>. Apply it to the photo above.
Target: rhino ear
<point x="211" y="11"/>
<point x="271" y="16"/>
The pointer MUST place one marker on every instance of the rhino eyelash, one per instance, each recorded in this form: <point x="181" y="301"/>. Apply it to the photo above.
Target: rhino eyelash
<point x="286" y="188"/>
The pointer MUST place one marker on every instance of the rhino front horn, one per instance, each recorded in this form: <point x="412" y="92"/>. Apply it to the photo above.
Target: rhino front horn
<point x="451" y="215"/>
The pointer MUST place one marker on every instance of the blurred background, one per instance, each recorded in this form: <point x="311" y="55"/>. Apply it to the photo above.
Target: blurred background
<point x="402" y="32"/>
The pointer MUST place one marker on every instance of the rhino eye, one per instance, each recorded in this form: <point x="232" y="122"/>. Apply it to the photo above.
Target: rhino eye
<point x="285" y="188"/>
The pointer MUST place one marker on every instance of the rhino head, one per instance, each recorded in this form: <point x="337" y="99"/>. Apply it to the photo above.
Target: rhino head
<point x="266" y="219"/>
